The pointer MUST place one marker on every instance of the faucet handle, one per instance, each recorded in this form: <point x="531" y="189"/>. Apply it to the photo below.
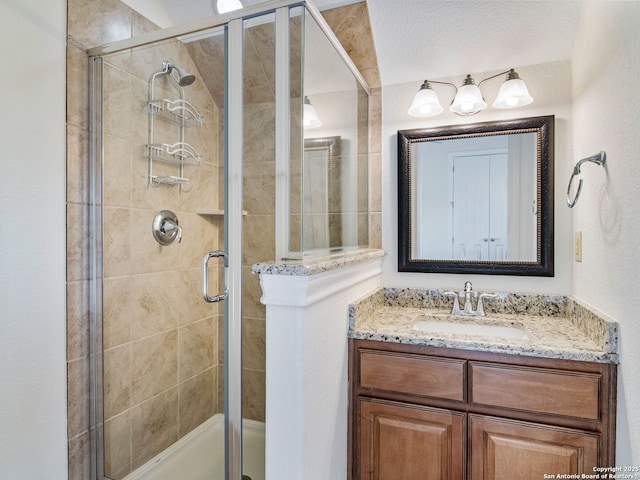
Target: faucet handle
<point x="484" y="296"/>
<point x="456" y="302"/>
<point x="488" y="296"/>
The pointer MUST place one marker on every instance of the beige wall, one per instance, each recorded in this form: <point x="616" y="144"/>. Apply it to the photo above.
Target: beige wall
<point x="33" y="423"/>
<point x="605" y="69"/>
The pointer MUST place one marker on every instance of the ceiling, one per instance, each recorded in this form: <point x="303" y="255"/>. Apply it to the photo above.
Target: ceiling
<point x="419" y="39"/>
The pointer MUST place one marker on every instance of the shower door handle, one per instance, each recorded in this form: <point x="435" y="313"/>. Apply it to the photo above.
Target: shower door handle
<point x="205" y="277"/>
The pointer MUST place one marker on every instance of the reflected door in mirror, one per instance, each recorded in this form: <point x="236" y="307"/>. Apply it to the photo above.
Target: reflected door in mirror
<point x="479" y="207"/>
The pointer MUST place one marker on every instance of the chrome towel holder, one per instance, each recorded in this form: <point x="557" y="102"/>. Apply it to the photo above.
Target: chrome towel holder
<point x="599" y="159"/>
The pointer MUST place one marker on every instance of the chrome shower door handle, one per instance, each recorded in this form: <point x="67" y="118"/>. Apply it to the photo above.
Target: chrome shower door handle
<point x="205" y="277"/>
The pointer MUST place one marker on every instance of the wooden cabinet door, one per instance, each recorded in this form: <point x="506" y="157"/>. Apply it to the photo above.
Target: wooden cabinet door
<point x="410" y="442"/>
<point x="504" y="449"/>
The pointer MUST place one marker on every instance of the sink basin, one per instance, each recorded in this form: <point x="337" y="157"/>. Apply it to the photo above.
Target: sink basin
<point x="471" y="329"/>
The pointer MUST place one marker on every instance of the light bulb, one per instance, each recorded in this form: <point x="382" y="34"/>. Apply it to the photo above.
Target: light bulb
<point x="468" y="100"/>
<point x="225" y="6"/>
<point x="425" y="103"/>
<point x="466" y="106"/>
<point x="310" y="117"/>
<point x="513" y="93"/>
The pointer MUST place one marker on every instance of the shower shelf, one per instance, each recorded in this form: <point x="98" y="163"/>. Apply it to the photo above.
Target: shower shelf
<point x="215" y="213"/>
<point x="179" y="153"/>
<point x="168" y="180"/>
<point x="177" y="111"/>
<point x="180" y="113"/>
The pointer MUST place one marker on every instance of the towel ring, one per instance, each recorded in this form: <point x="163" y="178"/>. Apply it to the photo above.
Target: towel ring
<point x="599" y="159"/>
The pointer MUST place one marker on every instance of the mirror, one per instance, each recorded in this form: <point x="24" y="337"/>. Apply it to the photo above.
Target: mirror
<point x="477" y="198"/>
<point x="320" y="193"/>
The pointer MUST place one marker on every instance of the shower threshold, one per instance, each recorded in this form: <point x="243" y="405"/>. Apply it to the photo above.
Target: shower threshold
<point x="199" y="455"/>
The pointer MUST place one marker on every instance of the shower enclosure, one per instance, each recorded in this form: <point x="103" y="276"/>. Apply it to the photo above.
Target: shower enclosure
<point x="203" y="164"/>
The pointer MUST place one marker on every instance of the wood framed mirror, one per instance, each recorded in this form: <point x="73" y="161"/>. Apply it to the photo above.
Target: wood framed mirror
<point x="477" y="198"/>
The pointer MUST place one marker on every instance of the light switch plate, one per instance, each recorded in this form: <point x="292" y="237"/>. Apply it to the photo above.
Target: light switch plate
<point x="577" y="246"/>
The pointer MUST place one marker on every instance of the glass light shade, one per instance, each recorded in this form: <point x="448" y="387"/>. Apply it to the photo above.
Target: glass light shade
<point x="513" y="93"/>
<point x="425" y="104"/>
<point x="310" y="117"/>
<point x="224" y="6"/>
<point x="468" y="100"/>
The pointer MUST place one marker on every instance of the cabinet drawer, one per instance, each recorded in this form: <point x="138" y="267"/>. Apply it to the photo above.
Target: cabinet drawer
<point x="413" y="374"/>
<point x="557" y="392"/>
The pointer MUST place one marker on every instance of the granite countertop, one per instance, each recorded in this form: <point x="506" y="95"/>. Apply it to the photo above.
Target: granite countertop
<point x="556" y="326"/>
<point x="314" y="265"/>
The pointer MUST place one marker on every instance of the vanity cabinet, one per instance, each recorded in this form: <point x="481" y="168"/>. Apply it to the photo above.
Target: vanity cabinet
<point x="420" y="412"/>
<point x="432" y="438"/>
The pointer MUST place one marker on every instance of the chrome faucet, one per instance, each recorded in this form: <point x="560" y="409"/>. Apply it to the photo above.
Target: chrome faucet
<point x="468" y="294"/>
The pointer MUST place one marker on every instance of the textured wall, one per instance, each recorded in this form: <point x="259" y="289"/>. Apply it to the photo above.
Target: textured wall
<point x="32" y="251"/>
<point x="606" y="112"/>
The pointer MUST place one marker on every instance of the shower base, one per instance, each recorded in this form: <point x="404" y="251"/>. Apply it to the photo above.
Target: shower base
<point x="199" y="455"/>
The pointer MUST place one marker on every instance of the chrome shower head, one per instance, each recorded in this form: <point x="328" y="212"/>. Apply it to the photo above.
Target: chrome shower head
<point x="184" y="78"/>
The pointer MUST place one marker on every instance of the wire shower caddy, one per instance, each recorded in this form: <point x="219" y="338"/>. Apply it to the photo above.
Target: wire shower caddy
<point x="182" y="113"/>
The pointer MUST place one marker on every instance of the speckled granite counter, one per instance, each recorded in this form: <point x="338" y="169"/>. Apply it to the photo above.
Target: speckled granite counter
<point x="557" y="326"/>
<point x="312" y="266"/>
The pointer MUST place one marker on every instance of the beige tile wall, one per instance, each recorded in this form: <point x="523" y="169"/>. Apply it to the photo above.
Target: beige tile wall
<point x="258" y="245"/>
<point x="160" y="359"/>
<point x="163" y="344"/>
<point x="160" y="338"/>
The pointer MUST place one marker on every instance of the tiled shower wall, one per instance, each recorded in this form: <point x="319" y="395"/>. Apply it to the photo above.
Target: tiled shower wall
<point x="160" y="339"/>
<point x="258" y="192"/>
<point x="139" y="271"/>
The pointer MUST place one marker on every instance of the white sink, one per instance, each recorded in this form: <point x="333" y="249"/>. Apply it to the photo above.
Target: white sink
<point x="471" y="329"/>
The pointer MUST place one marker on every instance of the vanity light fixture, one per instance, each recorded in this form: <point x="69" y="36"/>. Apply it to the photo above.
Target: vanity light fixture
<point x="225" y="6"/>
<point x="468" y="99"/>
<point x="426" y="102"/>
<point x="310" y="117"/>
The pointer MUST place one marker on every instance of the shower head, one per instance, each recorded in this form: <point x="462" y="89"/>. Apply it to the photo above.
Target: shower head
<point x="184" y="78"/>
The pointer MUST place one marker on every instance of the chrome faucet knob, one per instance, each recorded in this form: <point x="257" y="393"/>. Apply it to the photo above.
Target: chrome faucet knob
<point x="455" y="309"/>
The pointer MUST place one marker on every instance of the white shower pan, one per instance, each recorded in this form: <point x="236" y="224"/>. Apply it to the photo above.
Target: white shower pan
<point x="199" y="455"/>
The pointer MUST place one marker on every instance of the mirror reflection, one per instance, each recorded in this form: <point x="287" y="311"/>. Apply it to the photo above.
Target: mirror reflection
<point x="477" y="198"/>
<point x="319" y="189"/>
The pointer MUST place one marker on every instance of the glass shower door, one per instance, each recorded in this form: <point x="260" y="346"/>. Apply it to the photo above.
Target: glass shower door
<point x="158" y="195"/>
<point x="199" y="147"/>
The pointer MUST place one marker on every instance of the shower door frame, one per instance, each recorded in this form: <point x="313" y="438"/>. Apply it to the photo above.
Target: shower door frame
<point x="233" y="22"/>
